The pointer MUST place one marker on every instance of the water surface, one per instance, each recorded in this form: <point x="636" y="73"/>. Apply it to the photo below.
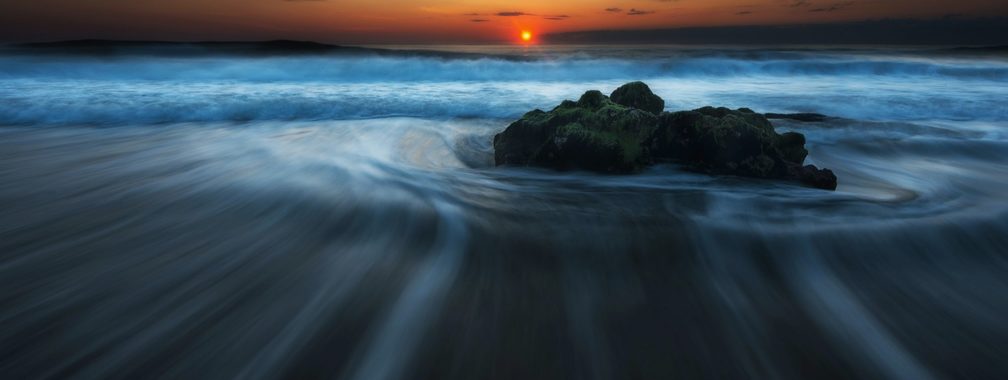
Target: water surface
<point x="339" y="216"/>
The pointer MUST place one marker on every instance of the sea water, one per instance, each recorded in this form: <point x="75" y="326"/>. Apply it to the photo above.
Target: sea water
<point x="340" y="216"/>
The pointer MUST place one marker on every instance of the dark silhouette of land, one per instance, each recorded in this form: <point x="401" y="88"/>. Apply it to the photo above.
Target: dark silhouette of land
<point x="949" y="31"/>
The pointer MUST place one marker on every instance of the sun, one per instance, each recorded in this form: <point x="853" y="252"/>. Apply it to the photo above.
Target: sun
<point x="526" y="36"/>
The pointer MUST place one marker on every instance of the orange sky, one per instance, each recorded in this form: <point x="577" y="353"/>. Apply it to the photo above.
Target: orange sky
<point x="408" y="21"/>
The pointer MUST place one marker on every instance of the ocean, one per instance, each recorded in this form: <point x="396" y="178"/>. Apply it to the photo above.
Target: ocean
<point x="338" y="214"/>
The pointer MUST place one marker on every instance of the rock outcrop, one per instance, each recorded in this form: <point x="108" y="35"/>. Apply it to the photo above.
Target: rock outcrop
<point x="805" y="116"/>
<point x="593" y="133"/>
<point x="627" y="131"/>
<point x="638" y="95"/>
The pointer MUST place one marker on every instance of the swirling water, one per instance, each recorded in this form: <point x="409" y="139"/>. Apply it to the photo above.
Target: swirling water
<point x="339" y="216"/>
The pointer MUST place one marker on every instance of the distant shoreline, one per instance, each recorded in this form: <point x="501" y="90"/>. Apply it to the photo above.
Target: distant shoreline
<point x="948" y="31"/>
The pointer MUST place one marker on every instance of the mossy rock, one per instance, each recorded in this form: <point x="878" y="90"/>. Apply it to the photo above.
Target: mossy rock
<point x="597" y="133"/>
<point x="593" y="134"/>
<point x="726" y="141"/>
<point x="638" y="95"/>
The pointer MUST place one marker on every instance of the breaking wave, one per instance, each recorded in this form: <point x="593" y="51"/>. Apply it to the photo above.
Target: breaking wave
<point x="122" y="89"/>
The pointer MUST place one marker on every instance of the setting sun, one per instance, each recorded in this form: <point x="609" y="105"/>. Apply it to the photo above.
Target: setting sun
<point x="526" y="36"/>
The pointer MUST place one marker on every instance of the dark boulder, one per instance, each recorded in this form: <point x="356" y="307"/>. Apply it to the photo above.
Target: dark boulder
<point x="814" y="177"/>
<point x="738" y="142"/>
<point x="791" y="146"/>
<point x="596" y="133"/>
<point x="725" y="141"/>
<point x="806" y="117"/>
<point x="593" y="133"/>
<point x="638" y="95"/>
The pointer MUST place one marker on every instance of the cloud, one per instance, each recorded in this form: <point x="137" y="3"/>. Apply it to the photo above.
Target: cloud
<point x="638" y="12"/>
<point x="556" y="17"/>
<point x="479" y="20"/>
<point x="743" y="13"/>
<point x="513" y="14"/>
<point x="833" y="7"/>
<point x="614" y="10"/>
<point x="799" y="4"/>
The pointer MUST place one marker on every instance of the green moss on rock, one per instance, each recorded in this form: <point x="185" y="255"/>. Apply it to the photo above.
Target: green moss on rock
<point x="594" y="134"/>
